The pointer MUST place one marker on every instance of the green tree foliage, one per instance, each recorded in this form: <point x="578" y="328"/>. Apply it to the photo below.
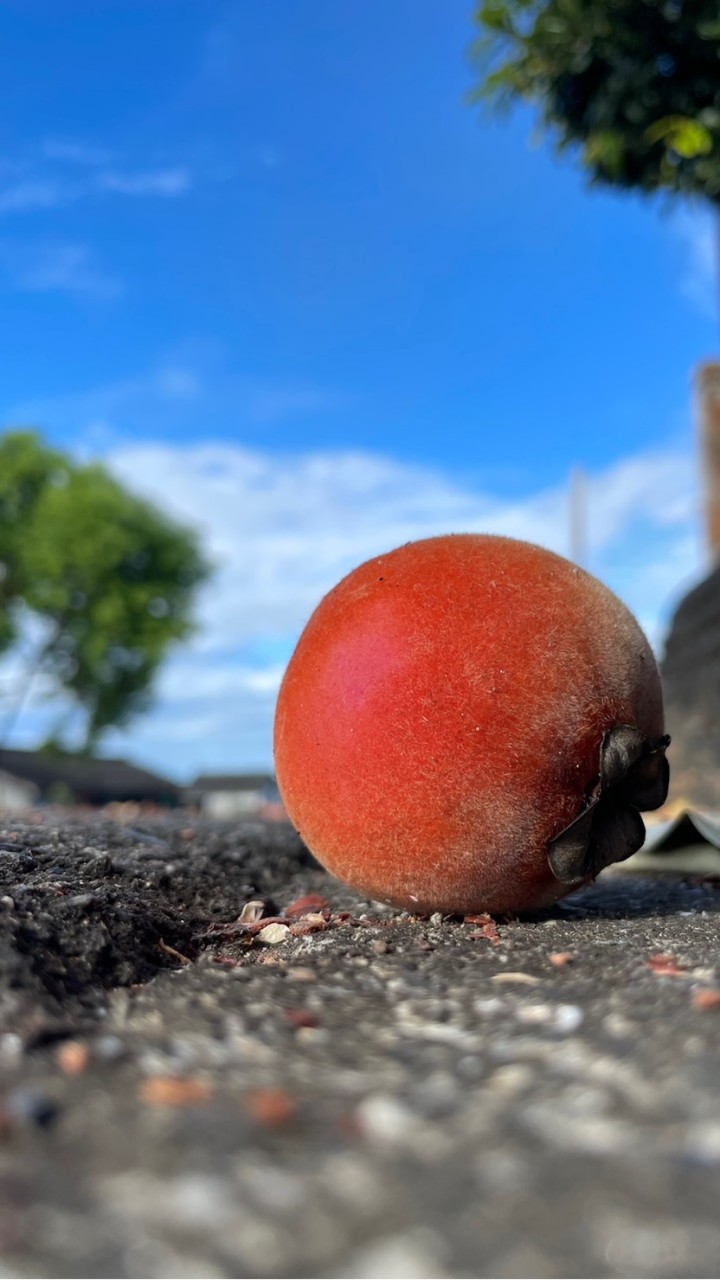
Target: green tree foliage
<point x="634" y="84"/>
<point x="109" y="576"/>
<point x="27" y="467"/>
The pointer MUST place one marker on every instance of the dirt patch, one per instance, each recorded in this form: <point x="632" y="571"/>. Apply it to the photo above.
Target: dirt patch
<point x="87" y="906"/>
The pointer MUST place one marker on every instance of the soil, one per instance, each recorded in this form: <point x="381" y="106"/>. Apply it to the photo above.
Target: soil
<point x="329" y="1088"/>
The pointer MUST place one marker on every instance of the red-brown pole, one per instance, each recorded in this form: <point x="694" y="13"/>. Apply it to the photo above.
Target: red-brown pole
<point x="708" y="387"/>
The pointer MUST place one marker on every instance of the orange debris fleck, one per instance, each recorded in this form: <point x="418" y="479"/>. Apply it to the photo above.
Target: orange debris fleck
<point x="175" y="1091"/>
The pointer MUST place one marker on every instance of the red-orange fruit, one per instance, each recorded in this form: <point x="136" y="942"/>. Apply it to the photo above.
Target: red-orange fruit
<point x="470" y="723"/>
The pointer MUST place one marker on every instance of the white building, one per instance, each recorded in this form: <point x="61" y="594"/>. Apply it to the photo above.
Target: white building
<point x="234" y="795"/>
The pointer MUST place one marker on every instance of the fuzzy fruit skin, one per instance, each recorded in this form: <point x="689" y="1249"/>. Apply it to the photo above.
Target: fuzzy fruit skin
<point x="441" y="719"/>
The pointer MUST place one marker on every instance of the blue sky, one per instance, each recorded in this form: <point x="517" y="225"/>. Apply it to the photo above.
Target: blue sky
<point x="266" y="261"/>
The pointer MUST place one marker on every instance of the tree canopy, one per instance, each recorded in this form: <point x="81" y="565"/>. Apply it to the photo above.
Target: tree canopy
<point x="634" y="84"/>
<point x="110" y="579"/>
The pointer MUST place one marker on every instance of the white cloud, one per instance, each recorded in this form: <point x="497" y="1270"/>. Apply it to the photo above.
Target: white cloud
<point x="149" y="182"/>
<point x="29" y="184"/>
<point x="67" y="268"/>
<point x="283" y="529"/>
<point x="187" y="684"/>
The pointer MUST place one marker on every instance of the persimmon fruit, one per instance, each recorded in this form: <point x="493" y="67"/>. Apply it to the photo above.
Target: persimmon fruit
<point x="470" y="723"/>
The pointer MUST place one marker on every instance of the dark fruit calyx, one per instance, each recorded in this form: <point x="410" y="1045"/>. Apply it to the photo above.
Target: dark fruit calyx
<point x="634" y="774"/>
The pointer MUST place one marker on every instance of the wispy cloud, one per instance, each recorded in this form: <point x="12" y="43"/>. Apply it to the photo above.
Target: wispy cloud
<point x="148" y="182"/>
<point x="106" y="413"/>
<point x="21" y="197"/>
<point x="31" y="187"/>
<point x="66" y="170"/>
<point x="68" y="268"/>
<point x="75" y="153"/>
<point x="271" y="404"/>
<point x="697" y="231"/>
<point x="167" y="397"/>
<point x="174" y="382"/>
<point x="219" y="50"/>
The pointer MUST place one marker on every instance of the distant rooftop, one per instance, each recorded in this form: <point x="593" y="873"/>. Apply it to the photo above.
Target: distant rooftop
<point x="92" y="780"/>
<point x="232" y="782"/>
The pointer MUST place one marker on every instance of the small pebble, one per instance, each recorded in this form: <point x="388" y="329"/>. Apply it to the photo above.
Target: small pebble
<point x="301" y="1018"/>
<point x="567" y="1018"/>
<point x="28" y="1106"/>
<point x="11" y="1048"/>
<point x="175" y="1091"/>
<point x="311" y="1036"/>
<point x="81" y="900"/>
<point x="517" y="979"/>
<point x="271" y="1107"/>
<point x="382" y="1118"/>
<point x="110" y="1048"/>
<point x="273" y="934"/>
<point x="251" y="912"/>
<point x="302" y="973"/>
<point x="73" y="1057"/>
<point x="706" y="998"/>
<point x="511" y="1079"/>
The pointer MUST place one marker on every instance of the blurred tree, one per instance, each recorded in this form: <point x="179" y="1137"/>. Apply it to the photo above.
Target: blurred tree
<point x="634" y="84"/>
<point x="108" y="576"/>
<point x="27" y="466"/>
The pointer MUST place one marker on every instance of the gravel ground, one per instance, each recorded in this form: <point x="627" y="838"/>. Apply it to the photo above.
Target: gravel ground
<point x="347" y="1091"/>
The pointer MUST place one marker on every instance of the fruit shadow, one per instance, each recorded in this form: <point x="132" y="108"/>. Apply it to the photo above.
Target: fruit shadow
<point x="620" y="895"/>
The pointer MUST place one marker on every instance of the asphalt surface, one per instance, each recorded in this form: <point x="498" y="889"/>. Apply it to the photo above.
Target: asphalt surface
<point x="346" y="1092"/>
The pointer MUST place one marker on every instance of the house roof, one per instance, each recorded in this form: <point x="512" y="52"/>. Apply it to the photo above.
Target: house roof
<point x="106" y="779"/>
<point x="232" y="782"/>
